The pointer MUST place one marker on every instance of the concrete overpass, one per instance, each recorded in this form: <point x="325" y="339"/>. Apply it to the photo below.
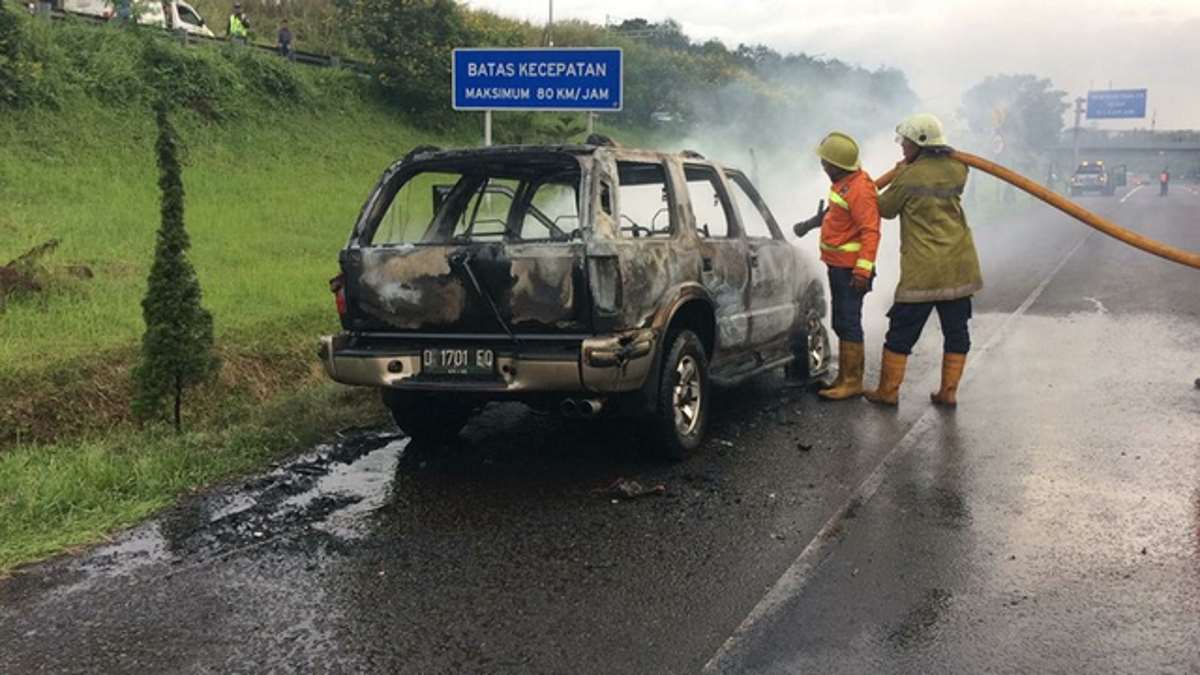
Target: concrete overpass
<point x="1140" y="151"/>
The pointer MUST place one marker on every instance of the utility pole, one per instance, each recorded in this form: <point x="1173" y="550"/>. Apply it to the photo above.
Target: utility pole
<point x="1078" y="116"/>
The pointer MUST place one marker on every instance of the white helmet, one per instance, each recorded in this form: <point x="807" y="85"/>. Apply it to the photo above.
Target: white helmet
<point x="923" y="129"/>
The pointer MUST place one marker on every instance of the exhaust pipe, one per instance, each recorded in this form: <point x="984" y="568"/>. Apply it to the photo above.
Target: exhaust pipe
<point x="589" y="407"/>
<point x="581" y="408"/>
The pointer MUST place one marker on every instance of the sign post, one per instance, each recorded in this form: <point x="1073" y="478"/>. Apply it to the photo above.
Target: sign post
<point x="555" y="79"/>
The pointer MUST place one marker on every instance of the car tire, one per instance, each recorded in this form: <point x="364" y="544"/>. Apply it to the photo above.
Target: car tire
<point x="427" y="417"/>
<point x="811" y="350"/>
<point x="681" y="416"/>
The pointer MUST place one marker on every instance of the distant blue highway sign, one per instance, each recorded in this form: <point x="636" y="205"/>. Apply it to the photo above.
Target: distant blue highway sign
<point x="1115" y="104"/>
<point x="538" y="79"/>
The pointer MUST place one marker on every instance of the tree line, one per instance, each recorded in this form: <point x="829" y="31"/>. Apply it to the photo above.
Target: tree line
<point x="670" y="78"/>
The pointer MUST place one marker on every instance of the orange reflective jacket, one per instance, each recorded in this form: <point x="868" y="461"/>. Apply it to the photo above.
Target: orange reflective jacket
<point x="850" y="229"/>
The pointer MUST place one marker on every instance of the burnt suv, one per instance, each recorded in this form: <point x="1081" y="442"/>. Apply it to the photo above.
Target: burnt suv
<point x="586" y="280"/>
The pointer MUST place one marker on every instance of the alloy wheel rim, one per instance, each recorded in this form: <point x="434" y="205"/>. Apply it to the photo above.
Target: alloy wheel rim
<point x="687" y="396"/>
<point x="818" y="351"/>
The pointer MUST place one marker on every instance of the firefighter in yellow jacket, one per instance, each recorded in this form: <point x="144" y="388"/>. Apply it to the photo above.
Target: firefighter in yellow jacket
<point x="939" y="267"/>
<point x="849" y="241"/>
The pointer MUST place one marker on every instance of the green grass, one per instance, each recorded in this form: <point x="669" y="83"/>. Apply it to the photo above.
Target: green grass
<point x="270" y="200"/>
<point x="55" y="497"/>
<point x="269" y="203"/>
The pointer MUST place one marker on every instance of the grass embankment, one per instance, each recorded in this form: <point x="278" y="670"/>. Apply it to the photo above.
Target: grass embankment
<point x="57" y="496"/>
<point x="269" y="202"/>
<point x="279" y="159"/>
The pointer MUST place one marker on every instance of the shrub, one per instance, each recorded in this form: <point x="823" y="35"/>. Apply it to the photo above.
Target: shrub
<point x="177" y="347"/>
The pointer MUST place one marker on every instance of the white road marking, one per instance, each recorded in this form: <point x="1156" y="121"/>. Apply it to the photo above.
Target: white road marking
<point x="801" y="571"/>
<point x="1100" y="308"/>
<point x="1130" y="193"/>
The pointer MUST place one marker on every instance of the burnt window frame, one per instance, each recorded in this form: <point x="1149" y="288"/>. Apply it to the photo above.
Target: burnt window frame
<point x="399" y="174"/>
<point x="740" y="179"/>
<point x="673" y="228"/>
<point x="735" y="232"/>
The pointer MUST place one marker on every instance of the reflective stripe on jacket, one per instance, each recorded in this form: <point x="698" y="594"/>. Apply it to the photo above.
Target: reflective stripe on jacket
<point x="937" y="252"/>
<point x="850" y="229"/>
<point x="236" y="27"/>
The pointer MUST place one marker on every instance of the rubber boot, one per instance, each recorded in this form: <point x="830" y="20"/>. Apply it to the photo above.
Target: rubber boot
<point x="849" y="382"/>
<point x="841" y="373"/>
<point x="952" y="371"/>
<point x="890" y="377"/>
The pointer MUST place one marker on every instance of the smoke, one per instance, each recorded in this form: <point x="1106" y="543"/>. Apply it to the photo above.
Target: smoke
<point x="945" y="46"/>
<point x="781" y="160"/>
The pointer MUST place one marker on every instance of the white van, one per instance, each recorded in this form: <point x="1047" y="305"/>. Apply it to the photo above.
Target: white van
<point x="172" y="15"/>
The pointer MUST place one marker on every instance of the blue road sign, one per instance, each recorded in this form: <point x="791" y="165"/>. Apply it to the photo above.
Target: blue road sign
<point x="538" y="79"/>
<point x="1116" y="104"/>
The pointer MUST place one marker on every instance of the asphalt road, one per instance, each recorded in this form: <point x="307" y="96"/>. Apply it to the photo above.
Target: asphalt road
<point x="1050" y="524"/>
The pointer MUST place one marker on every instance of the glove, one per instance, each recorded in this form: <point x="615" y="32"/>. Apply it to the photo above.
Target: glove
<point x="803" y="227"/>
<point x="860" y="283"/>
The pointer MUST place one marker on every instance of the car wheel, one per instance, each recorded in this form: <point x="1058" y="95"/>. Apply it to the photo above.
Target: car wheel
<point x="683" y="397"/>
<point x="425" y="417"/>
<point x="812" y="350"/>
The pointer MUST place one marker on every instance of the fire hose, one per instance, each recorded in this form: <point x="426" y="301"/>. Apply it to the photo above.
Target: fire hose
<point x="1068" y="207"/>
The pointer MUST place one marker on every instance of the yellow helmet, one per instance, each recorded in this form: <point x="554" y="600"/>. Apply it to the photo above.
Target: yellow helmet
<point x="840" y="150"/>
<point x="923" y="129"/>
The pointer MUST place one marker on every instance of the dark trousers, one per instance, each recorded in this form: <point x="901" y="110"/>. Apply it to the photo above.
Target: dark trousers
<point x="847" y="304"/>
<point x="908" y="318"/>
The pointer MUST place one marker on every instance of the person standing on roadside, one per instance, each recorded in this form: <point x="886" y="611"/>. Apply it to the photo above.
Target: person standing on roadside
<point x="849" y="241"/>
<point x="238" y="29"/>
<point x="939" y="267"/>
<point x="283" y="41"/>
<point x="1164" y="182"/>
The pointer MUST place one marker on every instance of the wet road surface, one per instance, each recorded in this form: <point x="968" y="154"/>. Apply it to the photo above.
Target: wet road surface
<point x="1006" y="537"/>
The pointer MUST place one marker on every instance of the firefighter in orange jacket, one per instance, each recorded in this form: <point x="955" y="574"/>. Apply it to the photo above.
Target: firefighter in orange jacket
<point x="849" y="241"/>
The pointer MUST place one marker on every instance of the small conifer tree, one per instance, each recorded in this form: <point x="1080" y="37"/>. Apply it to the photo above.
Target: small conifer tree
<point x="177" y="347"/>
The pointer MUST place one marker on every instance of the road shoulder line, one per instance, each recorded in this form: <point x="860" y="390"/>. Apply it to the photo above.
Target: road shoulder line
<point x="1130" y="194"/>
<point x="800" y="572"/>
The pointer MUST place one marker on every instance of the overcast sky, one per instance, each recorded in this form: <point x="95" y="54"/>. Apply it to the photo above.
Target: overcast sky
<point x="945" y="46"/>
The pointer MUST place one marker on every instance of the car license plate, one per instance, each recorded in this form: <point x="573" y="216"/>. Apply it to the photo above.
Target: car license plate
<point x="458" y="361"/>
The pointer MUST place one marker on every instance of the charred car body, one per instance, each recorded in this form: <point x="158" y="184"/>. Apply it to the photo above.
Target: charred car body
<point x="586" y="279"/>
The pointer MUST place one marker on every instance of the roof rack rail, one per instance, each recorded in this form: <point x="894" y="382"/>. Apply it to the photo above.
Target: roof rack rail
<point x="420" y="149"/>
<point x="692" y="154"/>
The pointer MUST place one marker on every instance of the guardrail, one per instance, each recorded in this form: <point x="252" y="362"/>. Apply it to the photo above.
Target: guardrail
<point x="298" y="56"/>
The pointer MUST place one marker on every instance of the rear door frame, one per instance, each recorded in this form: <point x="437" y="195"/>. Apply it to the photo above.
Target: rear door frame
<point x="774" y="302"/>
<point x="723" y="260"/>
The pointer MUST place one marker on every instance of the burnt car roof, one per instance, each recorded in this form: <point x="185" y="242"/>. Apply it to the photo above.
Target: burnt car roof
<point x="430" y="153"/>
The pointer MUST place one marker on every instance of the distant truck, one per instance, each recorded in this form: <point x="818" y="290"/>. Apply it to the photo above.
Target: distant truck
<point x="172" y="14"/>
<point x="1096" y="177"/>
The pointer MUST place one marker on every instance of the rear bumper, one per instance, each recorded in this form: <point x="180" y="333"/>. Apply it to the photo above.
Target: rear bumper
<point x="603" y="364"/>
